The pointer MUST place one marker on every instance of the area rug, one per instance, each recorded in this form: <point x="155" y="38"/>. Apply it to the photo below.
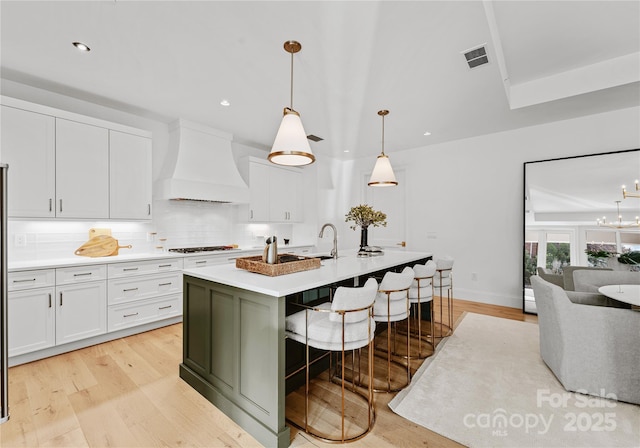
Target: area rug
<point x="487" y="386"/>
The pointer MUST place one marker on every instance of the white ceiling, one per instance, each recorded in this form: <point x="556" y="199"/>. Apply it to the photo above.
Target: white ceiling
<point x="549" y="61"/>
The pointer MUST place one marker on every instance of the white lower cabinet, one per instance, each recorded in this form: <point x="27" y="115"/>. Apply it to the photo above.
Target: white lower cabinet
<point x="81" y="302"/>
<point x="144" y="291"/>
<point x="32" y="320"/>
<point x="49" y="308"/>
<point x="81" y="311"/>
<point x="140" y="312"/>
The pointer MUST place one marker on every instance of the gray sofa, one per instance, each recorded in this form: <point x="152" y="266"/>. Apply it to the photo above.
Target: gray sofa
<point x="566" y="279"/>
<point x="591" y="349"/>
<point x="590" y="281"/>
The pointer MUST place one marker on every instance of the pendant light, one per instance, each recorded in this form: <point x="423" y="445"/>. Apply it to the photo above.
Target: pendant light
<point x="291" y="147"/>
<point x="382" y="175"/>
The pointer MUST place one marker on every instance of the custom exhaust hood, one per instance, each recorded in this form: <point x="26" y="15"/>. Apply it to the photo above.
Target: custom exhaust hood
<point x="200" y="166"/>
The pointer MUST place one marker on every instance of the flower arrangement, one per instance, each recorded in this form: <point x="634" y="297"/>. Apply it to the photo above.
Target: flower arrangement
<point x="364" y="216"/>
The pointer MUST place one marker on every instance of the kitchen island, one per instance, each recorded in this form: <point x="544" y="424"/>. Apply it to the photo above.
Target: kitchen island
<point x="234" y="334"/>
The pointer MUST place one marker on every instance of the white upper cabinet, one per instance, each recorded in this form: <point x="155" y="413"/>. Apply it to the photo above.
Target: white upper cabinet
<point x="65" y="165"/>
<point x="28" y="147"/>
<point x="285" y="192"/>
<point x="130" y="177"/>
<point x="275" y="192"/>
<point x="258" y="192"/>
<point x="82" y="170"/>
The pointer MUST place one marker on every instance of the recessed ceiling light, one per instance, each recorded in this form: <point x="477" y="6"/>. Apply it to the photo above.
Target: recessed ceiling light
<point x="346" y="150"/>
<point x="82" y="47"/>
<point x="427" y="133"/>
<point x="225" y="103"/>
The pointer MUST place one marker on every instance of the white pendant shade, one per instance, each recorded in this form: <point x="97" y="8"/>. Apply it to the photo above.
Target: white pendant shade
<point x="382" y="175"/>
<point x="291" y="147"/>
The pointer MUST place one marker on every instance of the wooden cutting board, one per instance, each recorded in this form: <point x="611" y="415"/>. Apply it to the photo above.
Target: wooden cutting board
<point x="95" y="231"/>
<point x="100" y="246"/>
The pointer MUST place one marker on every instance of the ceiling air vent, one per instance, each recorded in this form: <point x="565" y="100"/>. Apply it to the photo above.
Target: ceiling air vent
<point x="476" y="56"/>
<point x="314" y="138"/>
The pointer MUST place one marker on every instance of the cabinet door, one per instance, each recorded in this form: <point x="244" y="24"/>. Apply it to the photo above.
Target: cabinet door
<point x="31" y="320"/>
<point x="82" y="170"/>
<point x="130" y="173"/>
<point x="285" y="186"/>
<point x="28" y="146"/>
<point x="81" y="311"/>
<point x="259" y="192"/>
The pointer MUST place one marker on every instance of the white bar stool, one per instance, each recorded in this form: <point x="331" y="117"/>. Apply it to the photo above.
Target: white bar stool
<point x="443" y="280"/>
<point x="421" y="291"/>
<point x="345" y="324"/>
<point x="392" y="306"/>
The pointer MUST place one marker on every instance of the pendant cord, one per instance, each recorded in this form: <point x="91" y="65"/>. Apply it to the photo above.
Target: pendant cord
<point x="383" y="135"/>
<point x="291" y="105"/>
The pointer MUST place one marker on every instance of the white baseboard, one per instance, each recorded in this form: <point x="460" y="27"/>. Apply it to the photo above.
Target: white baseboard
<point x="59" y="349"/>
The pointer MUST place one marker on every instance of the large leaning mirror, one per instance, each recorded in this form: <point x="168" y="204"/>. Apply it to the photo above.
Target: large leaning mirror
<point x="571" y="215"/>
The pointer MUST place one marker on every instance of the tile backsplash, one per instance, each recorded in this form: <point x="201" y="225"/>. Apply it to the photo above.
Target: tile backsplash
<point x="180" y="223"/>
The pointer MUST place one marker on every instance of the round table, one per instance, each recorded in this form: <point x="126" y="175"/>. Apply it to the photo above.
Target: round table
<point x="623" y="293"/>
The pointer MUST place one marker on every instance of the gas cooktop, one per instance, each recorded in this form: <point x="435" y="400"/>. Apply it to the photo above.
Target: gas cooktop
<point x="189" y="250"/>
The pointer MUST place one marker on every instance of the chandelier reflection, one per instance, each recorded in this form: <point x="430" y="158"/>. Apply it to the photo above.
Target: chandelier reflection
<point x="618" y="224"/>
<point x="626" y="194"/>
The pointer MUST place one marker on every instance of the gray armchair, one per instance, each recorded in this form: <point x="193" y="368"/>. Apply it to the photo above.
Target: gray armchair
<point x="590" y="349"/>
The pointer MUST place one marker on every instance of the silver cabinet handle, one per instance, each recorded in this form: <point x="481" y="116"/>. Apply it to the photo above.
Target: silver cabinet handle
<point x="82" y="274"/>
<point x="61" y="205"/>
<point x="61" y="299"/>
<point x="164" y="266"/>
<point x="50" y="204"/>
<point x="251" y="216"/>
<point x="164" y="307"/>
<point x="130" y="289"/>
<point x="25" y="280"/>
<point x="149" y="209"/>
<point x="49" y="300"/>
<point x="130" y="269"/>
<point x="165" y="284"/>
<point x="129" y="315"/>
<point x="201" y="262"/>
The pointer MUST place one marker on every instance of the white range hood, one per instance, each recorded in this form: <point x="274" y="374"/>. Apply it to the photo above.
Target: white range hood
<point x="202" y="166"/>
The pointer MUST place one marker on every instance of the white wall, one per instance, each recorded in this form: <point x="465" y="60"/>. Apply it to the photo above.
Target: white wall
<point x="469" y="194"/>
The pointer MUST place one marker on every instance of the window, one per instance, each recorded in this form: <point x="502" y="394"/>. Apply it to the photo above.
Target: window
<point x="558" y="252"/>
<point x="598" y="241"/>
<point x="629" y="241"/>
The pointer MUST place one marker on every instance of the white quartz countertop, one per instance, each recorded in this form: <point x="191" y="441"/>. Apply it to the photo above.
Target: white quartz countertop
<point x="75" y="260"/>
<point x="348" y="265"/>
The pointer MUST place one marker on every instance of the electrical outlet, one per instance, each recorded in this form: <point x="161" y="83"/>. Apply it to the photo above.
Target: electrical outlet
<point x="20" y="240"/>
<point x="474" y="276"/>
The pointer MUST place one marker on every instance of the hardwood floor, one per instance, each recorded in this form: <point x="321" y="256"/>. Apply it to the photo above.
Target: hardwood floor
<point x="127" y="393"/>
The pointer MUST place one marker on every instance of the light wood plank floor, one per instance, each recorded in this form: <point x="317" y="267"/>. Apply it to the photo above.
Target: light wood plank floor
<point x="127" y="393"/>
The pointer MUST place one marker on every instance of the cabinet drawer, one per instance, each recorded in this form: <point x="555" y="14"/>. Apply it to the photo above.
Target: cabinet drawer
<point x="208" y="260"/>
<point x="117" y="270"/>
<point x="31" y="279"/>
<point x="79" y="274"/>
<point x="126" y="289"/>
<point x="144" y="311"/>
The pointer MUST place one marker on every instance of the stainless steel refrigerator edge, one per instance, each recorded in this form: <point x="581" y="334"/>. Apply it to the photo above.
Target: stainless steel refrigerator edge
<point x="4" y="347"/>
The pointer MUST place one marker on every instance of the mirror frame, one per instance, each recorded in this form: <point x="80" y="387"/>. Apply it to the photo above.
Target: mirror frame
<point x="524" y="206"/>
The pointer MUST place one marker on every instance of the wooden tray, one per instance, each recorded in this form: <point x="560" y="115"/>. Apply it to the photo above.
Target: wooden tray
<point x="255" y="264"/>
